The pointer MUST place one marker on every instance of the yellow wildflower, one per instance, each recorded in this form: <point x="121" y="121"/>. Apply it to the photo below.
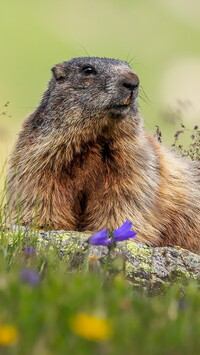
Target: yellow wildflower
<point x="91" y="327"/>
<point x="94" y="263"/>
<point x="93" y="258"/>
<point x="8" y="335"/>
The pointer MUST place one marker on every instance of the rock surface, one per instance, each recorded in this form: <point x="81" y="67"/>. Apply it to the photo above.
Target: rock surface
<point x="150" y="268"/>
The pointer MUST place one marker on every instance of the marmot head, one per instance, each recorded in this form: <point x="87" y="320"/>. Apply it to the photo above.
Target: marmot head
<point x="96" y="86"/>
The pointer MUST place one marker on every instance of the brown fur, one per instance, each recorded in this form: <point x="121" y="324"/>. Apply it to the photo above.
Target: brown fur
<point x="74" y="174"/>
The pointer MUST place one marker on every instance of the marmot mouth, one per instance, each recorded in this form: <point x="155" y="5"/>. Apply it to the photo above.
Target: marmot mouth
<point x="119" y="111"/>
<point x="126" y="104"/>
<point x="123" y="107"/>
<point x="128" y="101"/>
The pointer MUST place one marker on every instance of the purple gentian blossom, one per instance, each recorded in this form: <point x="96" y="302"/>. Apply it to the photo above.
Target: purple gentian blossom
<point x="104" y="238"/>
<point x="29" y="251"/>
<point x="30" y="276"/>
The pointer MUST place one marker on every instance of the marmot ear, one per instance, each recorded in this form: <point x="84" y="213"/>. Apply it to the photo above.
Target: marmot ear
<point x="59" y="72"/>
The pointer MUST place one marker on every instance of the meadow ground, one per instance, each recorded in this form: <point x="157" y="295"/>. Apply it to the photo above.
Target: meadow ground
<point x="49" y="308"/>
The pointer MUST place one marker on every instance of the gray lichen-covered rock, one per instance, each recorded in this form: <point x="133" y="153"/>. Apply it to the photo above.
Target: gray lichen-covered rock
<point x="155" y="268"/>
<point x="145" y="266"/>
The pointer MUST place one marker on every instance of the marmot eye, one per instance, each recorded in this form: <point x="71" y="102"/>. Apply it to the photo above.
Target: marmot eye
<point x="88" y="70"/>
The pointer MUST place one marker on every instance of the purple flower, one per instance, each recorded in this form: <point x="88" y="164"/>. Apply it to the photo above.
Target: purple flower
<point x="29" y="251"/>
<point x="30" y="276"/>
<point x="104" y="238"/>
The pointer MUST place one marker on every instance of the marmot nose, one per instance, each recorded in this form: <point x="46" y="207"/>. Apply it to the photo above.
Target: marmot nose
<point x="130" y="81"/>
<point x="131" y="84"/>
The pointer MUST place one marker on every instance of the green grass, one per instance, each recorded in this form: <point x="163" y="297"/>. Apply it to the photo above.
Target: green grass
<point x="42" y="314"/>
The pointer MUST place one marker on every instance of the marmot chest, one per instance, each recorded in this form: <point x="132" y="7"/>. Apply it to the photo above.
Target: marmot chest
<point x="95" y="168"/>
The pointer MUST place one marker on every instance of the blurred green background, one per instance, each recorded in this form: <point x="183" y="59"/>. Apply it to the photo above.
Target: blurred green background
<point x="161" y="39"/>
